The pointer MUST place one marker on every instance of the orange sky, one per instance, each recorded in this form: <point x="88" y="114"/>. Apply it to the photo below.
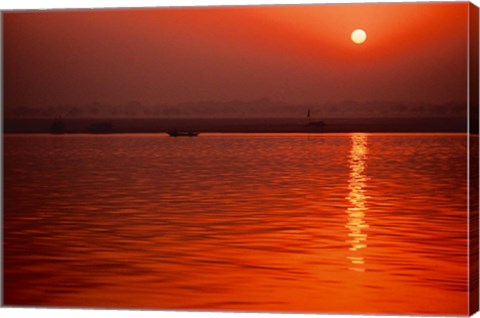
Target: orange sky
<point x="298" y="53"/>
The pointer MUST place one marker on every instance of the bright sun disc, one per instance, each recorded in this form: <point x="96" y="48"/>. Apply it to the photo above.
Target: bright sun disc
<point x="359" y="36"/>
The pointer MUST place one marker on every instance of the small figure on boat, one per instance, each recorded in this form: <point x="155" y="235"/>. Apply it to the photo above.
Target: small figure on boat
<point x="176" y="133"/>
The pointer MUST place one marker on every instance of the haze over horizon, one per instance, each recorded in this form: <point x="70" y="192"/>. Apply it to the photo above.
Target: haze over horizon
<point x="259" y="108"/>
<point x="298" y="54"/>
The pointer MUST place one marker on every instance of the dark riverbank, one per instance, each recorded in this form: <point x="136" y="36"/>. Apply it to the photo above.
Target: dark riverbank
<point x="332" y="125"/>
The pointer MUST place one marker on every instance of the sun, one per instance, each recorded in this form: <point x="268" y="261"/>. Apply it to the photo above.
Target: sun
<point x="359" y="36"/>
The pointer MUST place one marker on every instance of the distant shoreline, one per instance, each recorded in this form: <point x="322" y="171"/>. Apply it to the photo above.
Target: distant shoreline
<point x="227" y="125"/>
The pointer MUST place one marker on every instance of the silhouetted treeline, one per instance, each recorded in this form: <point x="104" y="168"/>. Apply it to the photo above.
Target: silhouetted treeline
<point x="260" y="108"/>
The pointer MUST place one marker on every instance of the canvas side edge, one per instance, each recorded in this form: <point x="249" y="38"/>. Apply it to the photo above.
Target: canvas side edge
<point x="2" y="103"/>
<point x="473" y="170"/>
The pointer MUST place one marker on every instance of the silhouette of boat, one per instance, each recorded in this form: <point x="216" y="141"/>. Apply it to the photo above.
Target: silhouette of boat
<point x="101" y="128"/>
<point x="175" y="133"/>
<point x="317" y="125"/>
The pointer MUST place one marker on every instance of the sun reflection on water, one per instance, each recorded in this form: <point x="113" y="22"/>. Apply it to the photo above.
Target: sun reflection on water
<point x="356" y="223"/>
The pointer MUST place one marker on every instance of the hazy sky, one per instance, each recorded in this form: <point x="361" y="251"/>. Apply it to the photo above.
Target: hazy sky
<point x="301" y="53"/>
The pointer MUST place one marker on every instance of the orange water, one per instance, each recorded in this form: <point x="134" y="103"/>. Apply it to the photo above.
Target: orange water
<point x="342" y="223"/>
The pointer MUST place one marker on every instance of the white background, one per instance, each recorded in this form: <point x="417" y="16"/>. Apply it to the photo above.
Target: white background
<point x="47" y="4"/>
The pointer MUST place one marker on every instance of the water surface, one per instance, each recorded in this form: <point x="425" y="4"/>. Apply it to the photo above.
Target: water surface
<point x="340" y="223"/>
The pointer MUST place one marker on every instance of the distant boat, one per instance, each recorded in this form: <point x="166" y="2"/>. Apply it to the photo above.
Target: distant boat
<point x="176" y="133"/>
<point x="57" y="127"/>
<point x="101" y="128"/>
<point x="316" y="124"/>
